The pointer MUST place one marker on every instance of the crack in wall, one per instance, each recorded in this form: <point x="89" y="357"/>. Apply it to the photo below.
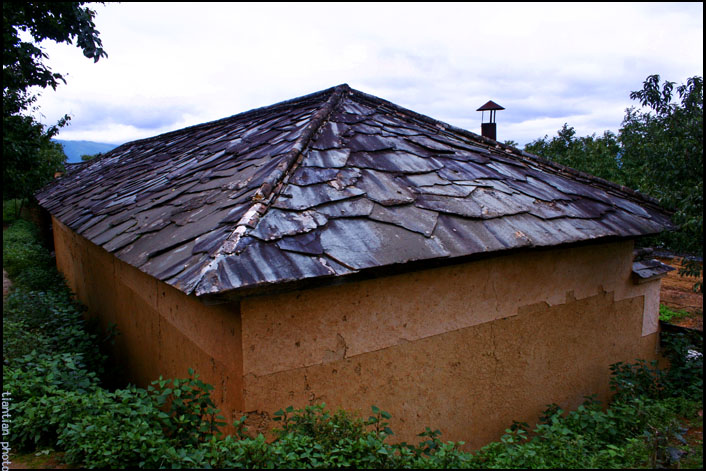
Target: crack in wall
<point x="494" y="352"/>
<point x="341" y="350"/>
<point x="338" y="354"/>
<point x="495" y="295"/>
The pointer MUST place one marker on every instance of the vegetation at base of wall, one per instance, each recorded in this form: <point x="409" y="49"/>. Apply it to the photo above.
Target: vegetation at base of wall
<point x="52" y="367"/>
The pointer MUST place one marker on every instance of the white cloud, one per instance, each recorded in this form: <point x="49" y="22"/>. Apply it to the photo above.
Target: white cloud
<point x="172" y="65"/>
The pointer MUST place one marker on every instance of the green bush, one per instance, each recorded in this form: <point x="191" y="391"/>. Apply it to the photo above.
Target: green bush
<point x="45" y="389"/>
<point x="316" y="438"/>
<point x="122" y="431"/>
<point x="55" y="321"/>
<point x="638" y="379"/>
<point x="42" y="419"/>
<point x="19" y="339"/>
<point x="685" y="376"/>
<point x="628" y="434"/>
<point x="38" y="374"/>
<point x="639" y="429"/>
<point x="191" y="416"/>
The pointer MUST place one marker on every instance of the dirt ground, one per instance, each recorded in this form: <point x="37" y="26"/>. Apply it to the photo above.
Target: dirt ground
<point x="31" y="461"/>
<point x="676" y="293"/>
<point x="5" y="284"/>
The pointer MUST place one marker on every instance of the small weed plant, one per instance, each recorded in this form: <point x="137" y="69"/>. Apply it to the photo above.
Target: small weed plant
<point x="55" y="371"/>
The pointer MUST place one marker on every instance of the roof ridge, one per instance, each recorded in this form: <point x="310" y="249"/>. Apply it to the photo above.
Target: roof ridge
<point x="273" y="183"/>
<point x="252" y="113"/>
<point x="513" y="151"/>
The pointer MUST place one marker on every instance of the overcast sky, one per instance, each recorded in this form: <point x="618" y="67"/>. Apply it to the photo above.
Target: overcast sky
<point x="175" y="65"/>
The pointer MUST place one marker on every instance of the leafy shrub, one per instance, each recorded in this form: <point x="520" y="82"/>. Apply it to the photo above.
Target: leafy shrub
<point x="38" y="374"/>
<point x="123" y="431"/>
<point x="638" y="379"/>
<point x="56" y="322"/>
<point x="19" y="340"/>
<point x="313" y="437"/>
<point x="685" y="376"/>
<point x="21" y="231"/>
<point x="316" y="438"/>
<point x="622" y="436"/>
<point x="42" y="419"/>
<point x="191" y="414"/>
<point x="230" y="452"/>
<point x="38" y="278"/>
<point x="319" y="424"/>
<point x="48" y="390"/>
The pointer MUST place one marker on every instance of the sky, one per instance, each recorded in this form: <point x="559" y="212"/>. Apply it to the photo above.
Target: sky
<point x="170" y="66"/>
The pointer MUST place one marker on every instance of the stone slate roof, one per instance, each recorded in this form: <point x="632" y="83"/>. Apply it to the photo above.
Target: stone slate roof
<point x="326" y="185"/>
<point x="648" y="270"/>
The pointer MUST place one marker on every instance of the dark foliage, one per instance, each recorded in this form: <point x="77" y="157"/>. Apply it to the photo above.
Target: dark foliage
<point x="30" y="158"/>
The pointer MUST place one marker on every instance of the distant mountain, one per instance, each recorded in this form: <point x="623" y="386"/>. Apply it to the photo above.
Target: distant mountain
<point x="75" y="149"/>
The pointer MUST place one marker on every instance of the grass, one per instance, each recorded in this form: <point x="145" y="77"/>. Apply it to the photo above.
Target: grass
<point x="667" y="314"/>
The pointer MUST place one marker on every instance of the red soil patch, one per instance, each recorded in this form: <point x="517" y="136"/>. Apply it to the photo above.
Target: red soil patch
<point x="30" y="461"/>
<point x="6" y="284"/>
<point x="677" y="293"/>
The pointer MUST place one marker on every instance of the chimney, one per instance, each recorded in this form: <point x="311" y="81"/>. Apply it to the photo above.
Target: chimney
<point x="489" y="129"/>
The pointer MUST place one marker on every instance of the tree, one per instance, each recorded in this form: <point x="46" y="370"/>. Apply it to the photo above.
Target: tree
<point x="658" y="151"/>
<point x="663" y="152"/>
<point x="595" y="155"/>
<point x="30" y="159"/>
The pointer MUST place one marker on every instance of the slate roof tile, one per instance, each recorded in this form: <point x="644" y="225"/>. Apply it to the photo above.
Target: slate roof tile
<point x="355" y="207"/>
<point x="277" y="224"/>
<point x="394" y="161"/>
<point x="381" y="188"/>
<point x="650" y="269"/>
<point x="327" y="185"/>
<point x="310" y="196"/>
<point x="450" y="205"/>
<point x="462" y="236"/>
<point x="409" y="216"/>
<point x="364" y="243"/>
<point x="326" y="158"/>
<point x="308" y="243"/>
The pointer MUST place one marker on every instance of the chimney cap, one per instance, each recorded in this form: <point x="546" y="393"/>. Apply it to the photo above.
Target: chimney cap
<point x="491" y="105"/>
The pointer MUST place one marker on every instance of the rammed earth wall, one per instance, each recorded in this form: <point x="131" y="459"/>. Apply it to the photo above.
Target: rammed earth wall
<point x="465" y="348"/>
